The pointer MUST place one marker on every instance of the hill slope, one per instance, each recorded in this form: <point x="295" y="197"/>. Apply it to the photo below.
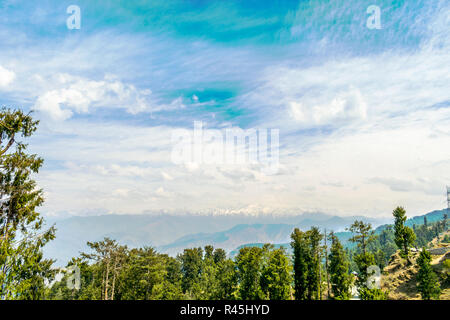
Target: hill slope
<point x="400" y="278"/>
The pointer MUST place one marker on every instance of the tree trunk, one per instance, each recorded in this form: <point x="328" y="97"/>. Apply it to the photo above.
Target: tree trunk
<point x="107" y="281"/>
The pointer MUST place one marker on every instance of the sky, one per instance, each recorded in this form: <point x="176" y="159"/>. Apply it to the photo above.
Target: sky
<point x="362" y="113"/>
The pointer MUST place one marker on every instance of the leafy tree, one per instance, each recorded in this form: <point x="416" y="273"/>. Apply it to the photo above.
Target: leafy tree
<point x="218" y="277"/>
<point x="219" y="256"/>
<point x="207" y="286"/>
<point x="209" y="251"/>
<point x="276" y="275"/>
<point x="172" y="280"/>
<point x="404" y="236"/>
<point x="227" y="280"/>
<point x="61" y="291"/>
<point x="338" y="270"/>
<point x="428" y="284"/>
<point x="23" y="270"/>
<point x="249" y="262"/>
<point x="364" y="236"/>
<point x="110" y="257"/>
<point x="191" y="267"/>
<point x="142" y="275"/>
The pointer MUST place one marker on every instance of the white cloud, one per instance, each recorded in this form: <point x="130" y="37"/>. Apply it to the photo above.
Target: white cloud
<point x="6" y="77"/>
<point x="313" y="110"/>
<point x="79" y="95"/>
<point x="354" y="89"/>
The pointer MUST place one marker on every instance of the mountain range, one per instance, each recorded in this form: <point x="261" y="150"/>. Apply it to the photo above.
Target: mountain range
<point x="172" y="233"/>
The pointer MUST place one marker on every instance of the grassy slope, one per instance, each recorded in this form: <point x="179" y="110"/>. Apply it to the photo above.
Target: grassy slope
<point x="401" y="279"/>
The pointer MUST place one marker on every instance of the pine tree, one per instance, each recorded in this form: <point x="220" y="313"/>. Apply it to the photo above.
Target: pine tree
<point x="404" y="236"/>
<point x="364" y="236"/>
<point x="428" y="284"/>
<point x="338" y="270"/>
<point x="23" y="270"/>
<point x="307" y="264"/>
<point x="314" y="264"/>
<point x="301" y="253"/>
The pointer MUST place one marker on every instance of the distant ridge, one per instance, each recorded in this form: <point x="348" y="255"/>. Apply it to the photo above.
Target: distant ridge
<point x="344" y="236"/>
<point x="173" y="233"/>
<point x="164" y="230"/>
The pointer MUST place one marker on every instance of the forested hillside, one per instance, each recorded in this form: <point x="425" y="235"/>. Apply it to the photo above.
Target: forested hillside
<point x="317" y="266"/>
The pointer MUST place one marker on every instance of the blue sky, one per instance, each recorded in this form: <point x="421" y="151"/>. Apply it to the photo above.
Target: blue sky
<point x="363" y="113"/>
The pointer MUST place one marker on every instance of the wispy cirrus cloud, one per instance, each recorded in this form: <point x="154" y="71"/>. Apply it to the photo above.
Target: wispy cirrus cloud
<point x="363" y="114"/>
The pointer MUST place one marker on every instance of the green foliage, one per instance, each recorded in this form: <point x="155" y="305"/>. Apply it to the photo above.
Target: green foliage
<point x="338" y="269"/>
<point x="314" y="264"/>
<point x="446" y="264"/>
<point x="60" y="291"/>
<point x="363" y="235"/>
<point x="23" y="271"/>
<point x="264" y="273"/>
<point x="110" y="257"/>
<point x="426" y="233"/>
<point x="373" y="294"/>
<point x="172" y="280"/>
<point x="208" y="276"/>
<point x="143" y="275"/>
<point x="249" y="262"/>
<point x="301" y="251"/>
<point x="365" y="238"/>
<point x="276" y="277"/>
<point x="227" y="279"/>
<point x="446" y="272"/>
<point x="446" y="239"/>
<point x="404" y="236"/>
<point x="307" y="264"/>
<point x="191" y="262"/>
<point x="121" y="274"/>
<point x="428" y="284"/>
<point x="384" y="246"/>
